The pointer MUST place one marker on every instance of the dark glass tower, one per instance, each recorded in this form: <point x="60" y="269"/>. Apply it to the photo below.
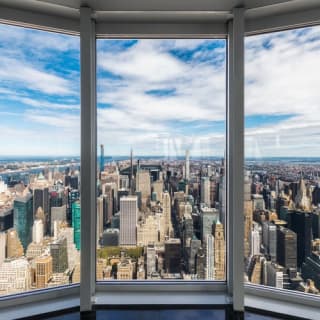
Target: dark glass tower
<point x="76" y="223"/>
<point x="23" y="219"/>
<point x="301" y="224"/>
<point x="287" y="248"/>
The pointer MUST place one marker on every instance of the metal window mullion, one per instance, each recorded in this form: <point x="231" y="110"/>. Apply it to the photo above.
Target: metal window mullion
<point x="235" y="157"/>
<point x="88" y="157"/>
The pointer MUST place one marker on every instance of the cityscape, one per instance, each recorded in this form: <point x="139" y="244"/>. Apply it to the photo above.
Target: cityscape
<point x="159" y="219"/>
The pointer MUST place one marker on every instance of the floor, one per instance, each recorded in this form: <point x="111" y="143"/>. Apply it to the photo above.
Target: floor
<point x="159" y="315"/>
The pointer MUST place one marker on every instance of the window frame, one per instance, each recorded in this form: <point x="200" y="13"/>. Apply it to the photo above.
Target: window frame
<point x="234" y="28"/>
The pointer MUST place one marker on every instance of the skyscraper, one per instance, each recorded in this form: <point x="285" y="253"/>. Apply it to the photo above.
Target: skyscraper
<point x="128" y="220"/>
<point x="101" y="158"/>
<point x="255" y="242"/>
<point x="208" y="217"/>
<point x="210" y="271"/>
<point x="287" y="248"/>
<point x="166" y="207"/>
<point x="58" y="251"/>
<point x="205" y="191"/>
<point x="76" y="223"/>
<point x="143" y="184"/>
<point x="301" y="224"/>
<point x="219" y="251"/>
<point x="172" y="255"/>
<point x="43" y="270"/>
<point x="37" y="231"/>
<point x="187" y="168"/>
<point x="23" y="218"/>
<point x="269" y="239"/>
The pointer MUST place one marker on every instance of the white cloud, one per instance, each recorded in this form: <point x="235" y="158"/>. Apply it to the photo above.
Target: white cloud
<point x="282" y="74"/>
<point x="29" y="77"/>
<point x="199" y="95"/>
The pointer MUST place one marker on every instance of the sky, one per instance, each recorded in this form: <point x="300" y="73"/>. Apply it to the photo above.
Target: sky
<point x="159" y="97"/>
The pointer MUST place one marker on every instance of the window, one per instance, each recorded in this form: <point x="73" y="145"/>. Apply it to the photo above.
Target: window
<point x="281" y="209"/>
<point x="39" y="160"/>
<point x="161" y="145"/>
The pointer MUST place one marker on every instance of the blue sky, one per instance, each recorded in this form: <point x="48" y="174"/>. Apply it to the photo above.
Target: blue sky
<point x="159" y="97"/>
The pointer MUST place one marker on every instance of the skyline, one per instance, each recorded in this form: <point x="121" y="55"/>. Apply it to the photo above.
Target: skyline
<point x="39" y="86"/>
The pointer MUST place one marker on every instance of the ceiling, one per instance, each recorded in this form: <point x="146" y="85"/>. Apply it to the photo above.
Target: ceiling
<point x="161" y="10"/>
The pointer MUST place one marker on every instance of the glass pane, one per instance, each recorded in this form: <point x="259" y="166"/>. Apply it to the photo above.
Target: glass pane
<point x="39" y="160"/>
<point x="161" y="145"/>
<point x="281" y="210"/>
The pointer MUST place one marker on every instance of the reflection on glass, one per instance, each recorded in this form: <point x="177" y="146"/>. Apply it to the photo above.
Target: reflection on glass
<point x="39" y="160"/>
<point x="281" y="191"/>
<point x="161" y="134"/>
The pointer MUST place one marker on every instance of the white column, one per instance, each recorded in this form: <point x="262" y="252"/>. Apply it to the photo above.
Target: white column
<point x="235" y="158"/>
<point x="88" y="158"/>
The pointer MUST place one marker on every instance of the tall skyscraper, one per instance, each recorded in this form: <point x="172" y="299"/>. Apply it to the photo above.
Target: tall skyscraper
<point x="187" y="168"/>
<point x="166" y="207"/>
<point x="37" y="231"/>
<point x="76" y="223"/>
<point x="59" y="254"/>
<point x="219" y="251"/>
<point x="23" y="218"/>
<point x="73" y="196"/>
<point x="143" y="184"/>
<point x="269" y="239"/>
<point x="172" y="255"/>
<point x="301" y="224"/>
<point x="151" y="260"/>
<point x="101" y="158"/>
<point x="210" y="270"/>
<point x="208" y="217"/>
<point x="57" y="214"/>
<point x="128" y="220"/>
<point x="287" y="248"/>
<point x="255" y="242"/>
<point x="205" y="191"/>
<point x="41" y="199"/>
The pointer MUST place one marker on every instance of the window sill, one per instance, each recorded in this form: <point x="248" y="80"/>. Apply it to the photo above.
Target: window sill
<point x="281" y="301"/>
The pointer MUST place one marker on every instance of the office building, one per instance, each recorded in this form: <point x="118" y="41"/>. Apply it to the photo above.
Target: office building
<point x="208" y="217"/>
<point x="172" y="256"/>
<point x="219" y="251"/>
<point x="128" y="220"/>
<point x="110" y="237"/>
<point x="23" y="218"/>
<point x="301" y="224"/>
<point x="59" y="254"/>
<point x="210" y="265"/>
<point x="43" y="271"/>
<point x="143" y="184"/>
<point x="205" y="191"/>
<point x="6" y="219"/>
<point x="37" y="231"/>
<point x="286" y="248"/>
<point x="151" y="260"/>
<point x="76" y="223"/>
